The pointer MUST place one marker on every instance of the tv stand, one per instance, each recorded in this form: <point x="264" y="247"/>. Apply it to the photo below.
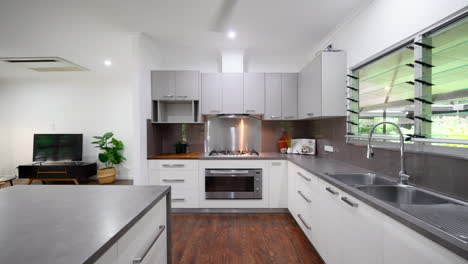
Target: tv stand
<point x="76" y="171"/>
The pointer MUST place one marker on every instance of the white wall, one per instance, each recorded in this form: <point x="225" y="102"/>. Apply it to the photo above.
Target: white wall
<point x="383" y="23"/>
<point x="146" y="58"/>
<point x="91" y="104"/>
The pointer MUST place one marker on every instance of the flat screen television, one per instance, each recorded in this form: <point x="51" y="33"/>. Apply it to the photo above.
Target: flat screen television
<point x="58" y="147"/>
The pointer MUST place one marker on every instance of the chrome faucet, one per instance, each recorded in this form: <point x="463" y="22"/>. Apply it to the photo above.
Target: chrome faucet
<point x="370" y="152"/>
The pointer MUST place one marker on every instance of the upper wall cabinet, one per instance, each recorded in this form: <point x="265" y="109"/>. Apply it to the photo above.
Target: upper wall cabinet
<point x="254" y="93"/>
<point x="211" y="93"/>
<point x="232" y="93"/>
<point x="281" y="96"/>
<point x="322" y="86"/>
<point x="175" y="85"/>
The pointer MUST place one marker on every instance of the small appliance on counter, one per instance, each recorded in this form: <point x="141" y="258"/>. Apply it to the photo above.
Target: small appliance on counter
<point x="305" y="146"/>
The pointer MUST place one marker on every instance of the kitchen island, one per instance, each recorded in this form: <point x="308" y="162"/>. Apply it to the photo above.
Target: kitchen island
<point x="84" y="224"/>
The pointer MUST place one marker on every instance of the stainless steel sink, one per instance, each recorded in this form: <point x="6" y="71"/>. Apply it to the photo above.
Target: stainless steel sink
<point x="403" y="194"/>
<point x="355" y="179"/>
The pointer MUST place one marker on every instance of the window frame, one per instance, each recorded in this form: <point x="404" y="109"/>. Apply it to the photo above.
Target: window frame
<point x="420" y="127"/>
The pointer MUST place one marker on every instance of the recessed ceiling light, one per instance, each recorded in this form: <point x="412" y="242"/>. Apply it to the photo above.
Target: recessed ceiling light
<point x="108" y="63"/>
<point x="232" y="34"/>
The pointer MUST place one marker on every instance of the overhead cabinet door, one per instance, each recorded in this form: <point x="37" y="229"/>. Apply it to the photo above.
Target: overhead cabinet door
<point x="272" y="96"/>
<point x="254" y="93"/>
<point x="289" y="83"/>
<point x="211" y="93"/>
<point x="163" y="85"/>
<point x="187" y="85"/>
<point x="233" y="93"/>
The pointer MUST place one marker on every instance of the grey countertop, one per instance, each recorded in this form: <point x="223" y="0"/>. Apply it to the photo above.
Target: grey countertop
<point x="321" y="166"/>
<point x="68" y="224"/>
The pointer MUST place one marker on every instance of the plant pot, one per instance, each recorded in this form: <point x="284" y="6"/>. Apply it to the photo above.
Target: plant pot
<point x="106" y="176"/>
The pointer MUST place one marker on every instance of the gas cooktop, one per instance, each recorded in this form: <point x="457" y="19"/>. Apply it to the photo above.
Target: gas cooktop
<point x="229" y="153"/>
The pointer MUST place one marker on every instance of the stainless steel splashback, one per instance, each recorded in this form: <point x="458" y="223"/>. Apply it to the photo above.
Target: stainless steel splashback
<point x="233" y="133"/>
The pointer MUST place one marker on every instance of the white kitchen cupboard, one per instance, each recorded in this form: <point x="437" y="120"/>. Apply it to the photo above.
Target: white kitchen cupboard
<point x="232" y="93"/>
<point x="149" y="235"/>
<point x="187" y="85"/>
<point x="322" y="86"/>
<point x="175" y="85"/>
<point x="404" y="246"/>
<point x="163" y="85"/>
<point x="211" y="93"/>
<point x="273" y="95"/>
<point x="278" y="173"/>
<point x="181" y="175"/>
<point x="281" y="91"/>
<point x="289" y="92"/>
<point x="254" y="93"/>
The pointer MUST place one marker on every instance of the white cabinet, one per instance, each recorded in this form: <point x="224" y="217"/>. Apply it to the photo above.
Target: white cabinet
<point x="145" y="240"/>
<point x="273" y="96"/>
<point x="232" y="93"/>
<point x="187" y="85"/>
<point x="322" y="86"/>
<point x="175" y="85"/>
<point x="254" y="93"/>
<point x="211" y="93"/>
<point x="181" y="175"/>
<point x="281" y="90"/>
<point x="163" y="85"/>
<point x="289" y="88"/>
<point x="404" y="246"/>
<point x="278" y="174"/>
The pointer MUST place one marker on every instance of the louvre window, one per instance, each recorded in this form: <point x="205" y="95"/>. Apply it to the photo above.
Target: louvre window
<point x="421" y="85"/>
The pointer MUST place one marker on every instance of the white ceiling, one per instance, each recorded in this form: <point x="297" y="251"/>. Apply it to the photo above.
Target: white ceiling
<point x="280" y="32"/>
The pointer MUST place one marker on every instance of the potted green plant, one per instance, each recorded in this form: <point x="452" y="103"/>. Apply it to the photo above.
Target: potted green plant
<point x="110" y="155"/>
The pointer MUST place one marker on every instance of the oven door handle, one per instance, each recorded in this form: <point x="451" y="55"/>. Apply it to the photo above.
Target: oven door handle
<point x="214" y="172"/>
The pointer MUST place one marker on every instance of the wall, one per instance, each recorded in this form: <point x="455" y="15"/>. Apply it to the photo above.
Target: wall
<point x="86" y="103"/>
<point x="383" y="23"/>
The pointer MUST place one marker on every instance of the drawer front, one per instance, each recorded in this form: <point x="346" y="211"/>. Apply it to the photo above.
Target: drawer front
<point x="185" y="179"/>
<point x="184" y="197"/>
<point x="143" y="233"/>
<point x="173" y="165"/>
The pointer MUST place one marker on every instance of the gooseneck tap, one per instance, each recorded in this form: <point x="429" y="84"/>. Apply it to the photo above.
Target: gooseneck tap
<point x="370" y="152"/>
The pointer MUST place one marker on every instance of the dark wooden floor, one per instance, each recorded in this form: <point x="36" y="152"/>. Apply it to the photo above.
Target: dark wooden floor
<point x="239" y="238"/>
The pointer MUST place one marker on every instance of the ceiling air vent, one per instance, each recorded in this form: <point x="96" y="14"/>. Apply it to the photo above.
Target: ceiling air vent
<point x="43" y="64"/>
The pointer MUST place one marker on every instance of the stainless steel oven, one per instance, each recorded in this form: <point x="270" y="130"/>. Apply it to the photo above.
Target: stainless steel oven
<point x="233" y="183"/>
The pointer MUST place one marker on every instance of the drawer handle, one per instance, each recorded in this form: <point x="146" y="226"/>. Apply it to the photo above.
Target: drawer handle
<point x="173" y="165"/>
<point x="181" y="96"/>
<point x="310" y="114"/>
<point x="346" y="200"/>
<point x="288" y="117"/>
<point x="173" y="180"/>
<point x="276" y="163"/>
<point x="303" y="196"/>
<point x="250" y="111"/>
<point x="303" y="176"/>
<point x="304" y="222"/>
<point x="275" y="117"/>
<point x="142" y="254"/>
<point x="214" y="111"/>
<point x="178" y="199"/>
<point x="331" y="191"/>
<point x="168" y="96"/>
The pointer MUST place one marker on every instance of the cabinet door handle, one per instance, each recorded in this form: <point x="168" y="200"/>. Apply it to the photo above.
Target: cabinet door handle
<point x="181" y="96"/>
<point x="276" y="163"/>
<point x="173" y="180"/>
<point x="346" y="200"/>
<point x="304" y="222"/>
<point x="144" y="251"/>
<point x="214" y="111"/>
<point x="310" y="114"/>
<point x="303" y="196"/>
<point x="173" y="165"/>
<point x="331" y="191"/>
<point x="178" y="199"/>
<point x="288" y="117"/>
<point x="168" y="96"/>
<point x="250" y="111"/>
<point x="275" y="117"/>
<point x="303" y="176"/>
